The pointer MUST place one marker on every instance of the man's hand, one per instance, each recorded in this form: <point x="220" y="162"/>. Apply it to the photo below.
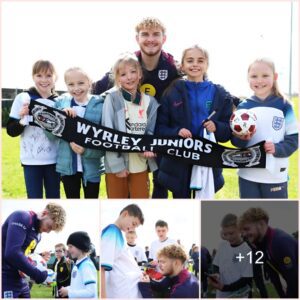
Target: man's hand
<point x="144" y="277"/>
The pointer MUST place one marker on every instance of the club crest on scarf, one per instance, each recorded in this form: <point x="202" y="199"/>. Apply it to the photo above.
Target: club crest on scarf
<point x="52" y="122"/>
<point x="250" y="157"/>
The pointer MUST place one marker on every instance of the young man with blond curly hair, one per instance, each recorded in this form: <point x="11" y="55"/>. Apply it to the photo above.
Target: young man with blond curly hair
<point x="21" y="232"/>
<point x="178" y="281"/>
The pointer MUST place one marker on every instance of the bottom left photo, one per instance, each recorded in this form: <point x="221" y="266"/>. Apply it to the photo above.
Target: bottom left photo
<point x="50" y="249"/>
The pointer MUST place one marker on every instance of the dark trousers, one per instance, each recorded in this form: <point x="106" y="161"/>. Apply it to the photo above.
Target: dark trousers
<point x="251" y="189"/>
<point x="72" y="186"/>
<point x="39" y="177"/>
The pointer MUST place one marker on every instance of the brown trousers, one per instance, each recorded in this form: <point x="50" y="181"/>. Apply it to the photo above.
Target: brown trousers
<point x="135" y="185"/>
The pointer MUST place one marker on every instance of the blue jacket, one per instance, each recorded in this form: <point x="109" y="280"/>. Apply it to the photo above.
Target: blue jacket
<point x="92" y="160"/>
<point x="184" y="285"/>
<point x="281" y="259"/>
<point x="175" y="114"/>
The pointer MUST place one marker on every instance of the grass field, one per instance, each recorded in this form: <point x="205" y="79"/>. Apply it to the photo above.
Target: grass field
<point x="13" y="186"/>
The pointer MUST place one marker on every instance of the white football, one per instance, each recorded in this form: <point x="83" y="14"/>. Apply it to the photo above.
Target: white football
<point x="39" y="262"/>
<point x="243" y="122"/>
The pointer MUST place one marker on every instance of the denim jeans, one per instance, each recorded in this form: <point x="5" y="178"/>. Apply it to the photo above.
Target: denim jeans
<point x="39" y="177"/>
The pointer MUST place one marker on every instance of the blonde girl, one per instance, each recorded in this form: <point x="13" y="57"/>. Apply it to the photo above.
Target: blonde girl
<point x="126" y="109"/>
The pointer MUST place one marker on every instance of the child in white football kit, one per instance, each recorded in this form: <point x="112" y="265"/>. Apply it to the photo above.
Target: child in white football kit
<point x="137" y="251"/>
<point x="277" y="125"/>
<point x="84" y="281"/>
<point x="120" y="273"/>
<point x="233" y="277"/>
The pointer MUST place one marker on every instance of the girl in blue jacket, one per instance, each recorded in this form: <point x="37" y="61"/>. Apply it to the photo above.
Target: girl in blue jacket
<point x="77" y="164"/>
<point x="185" y="108"/>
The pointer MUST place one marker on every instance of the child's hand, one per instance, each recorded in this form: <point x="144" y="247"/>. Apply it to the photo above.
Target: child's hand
<point x="122" y="174"/>
<point x="149" y="154"/>
<point x="210" y="126"/>
<point x="269" y="147"/>
<point x="154" y="263"/>
<point x="76" y="148"/>
<point x="245" y="137"/>
<point x="46" y="255"/>
<point x="185" y="133"/>
<point x="63" y="292"/>
<point x="70" y="112"/>
<point x="25" y="110"/>
<point x="214" y="281"/>
<point x="144" y="277"/>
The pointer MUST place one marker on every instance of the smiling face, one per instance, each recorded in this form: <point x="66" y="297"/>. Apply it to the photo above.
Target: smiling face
<point x="151" y="40"/>
<point x="253" y="232"/>
<point x="261" y="79"/>
<point x="78" y="85"/>
<point x="128" y="77"/>
<point x="194" y="64"/>
<point x="44" y="82"/>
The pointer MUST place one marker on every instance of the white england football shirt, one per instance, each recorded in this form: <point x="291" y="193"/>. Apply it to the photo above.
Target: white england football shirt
<point x="122" y="272"/>
<point x="230" y="268"/>
<point x="157" y="245"/>
<point x="83" y="280"/>
<point x="138" y="253"/>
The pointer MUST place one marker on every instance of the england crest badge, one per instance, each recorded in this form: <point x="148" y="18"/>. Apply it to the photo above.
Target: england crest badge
<point x="162" y="74"/>
<point x="277" y="123"/>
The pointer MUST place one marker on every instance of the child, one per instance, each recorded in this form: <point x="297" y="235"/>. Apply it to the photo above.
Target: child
<point x="161" y="228"/>
<point x="233" y="276"/>
<point x="75" y="163"/>
<point x="178" y="281"/>
<point x="185" y="109"/>
<point x="38" y="152"/>
<point x="62" y="268"/>
<point x="127" y="110"/>
<point x="119" y="271"/>
<point x="277" y="125"/>
<point x="84" y="275"/>
<point x="137" y="251"/>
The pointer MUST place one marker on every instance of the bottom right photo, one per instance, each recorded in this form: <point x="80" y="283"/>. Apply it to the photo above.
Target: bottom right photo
<point x="249" y="249"/>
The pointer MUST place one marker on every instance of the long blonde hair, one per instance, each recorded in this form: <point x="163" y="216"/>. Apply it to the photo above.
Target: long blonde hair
<point x="270" y="63"/>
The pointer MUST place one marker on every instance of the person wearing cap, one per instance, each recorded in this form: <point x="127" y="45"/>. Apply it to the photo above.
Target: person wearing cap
<point x="84" y="274"/>
<point x="21" y="232"/>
